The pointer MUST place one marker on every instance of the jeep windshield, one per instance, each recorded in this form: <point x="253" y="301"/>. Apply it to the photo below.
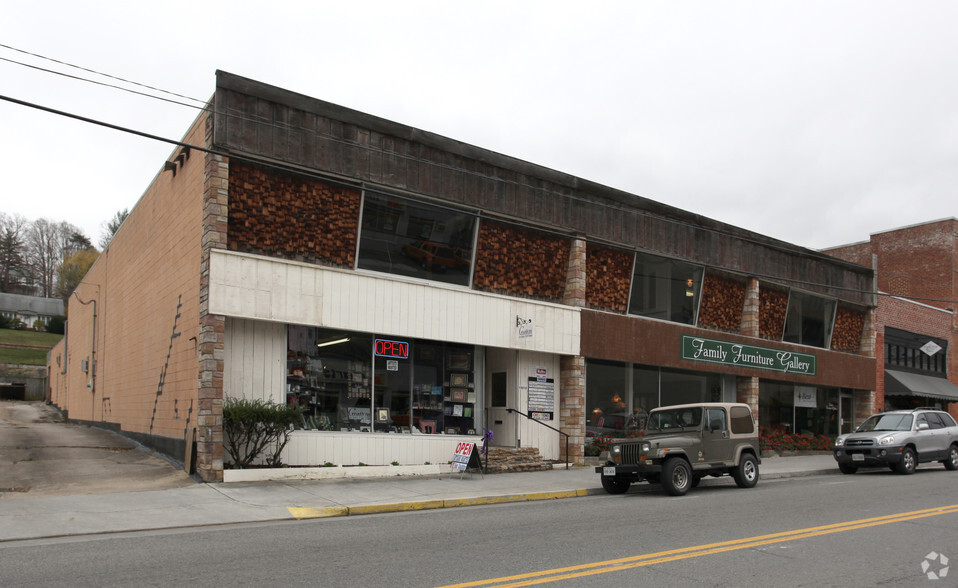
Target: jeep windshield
<point x="886" y="422"/>
<point x="674" y="418"/>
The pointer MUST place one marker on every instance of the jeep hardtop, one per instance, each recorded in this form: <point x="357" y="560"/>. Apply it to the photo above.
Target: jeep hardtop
<point x="683" y="443"/>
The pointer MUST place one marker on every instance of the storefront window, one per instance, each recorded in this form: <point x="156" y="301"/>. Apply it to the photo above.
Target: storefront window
<point x="800" y="410"/>
<point x="357" y="382"/>
<point x="619" y="396"/>
<point x="665" y="289"/>
<point x="809" y="320"/>
<point x="408" y="238"/>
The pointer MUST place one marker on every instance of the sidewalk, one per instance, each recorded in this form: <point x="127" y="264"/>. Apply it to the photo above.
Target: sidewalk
<point x="243" y="502"/>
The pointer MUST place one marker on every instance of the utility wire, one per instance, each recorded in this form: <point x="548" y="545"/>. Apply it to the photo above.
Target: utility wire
<point x="287" y="169"/>
<point x="772" y="243"/>
<point x="285" y="126"/>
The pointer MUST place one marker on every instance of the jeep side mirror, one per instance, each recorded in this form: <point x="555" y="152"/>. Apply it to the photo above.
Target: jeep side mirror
<point x="922" y="426"/>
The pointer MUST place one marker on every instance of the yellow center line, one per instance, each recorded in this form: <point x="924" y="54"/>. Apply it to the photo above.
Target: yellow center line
<point x="615" y="565"/>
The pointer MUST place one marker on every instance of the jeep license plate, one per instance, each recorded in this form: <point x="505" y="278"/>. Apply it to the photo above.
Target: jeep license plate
<point x="608" y="471"/>
<point x="858" y="457"/>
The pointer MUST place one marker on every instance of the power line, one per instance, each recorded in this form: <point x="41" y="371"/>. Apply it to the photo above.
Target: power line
<point x="288" y="169"/>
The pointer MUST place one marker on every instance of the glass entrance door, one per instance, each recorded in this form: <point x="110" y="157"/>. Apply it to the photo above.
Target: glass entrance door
<point x="847" y="414"/>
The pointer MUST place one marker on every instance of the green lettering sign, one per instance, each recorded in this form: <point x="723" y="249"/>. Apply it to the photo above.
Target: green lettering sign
<point x="750" y="356"/>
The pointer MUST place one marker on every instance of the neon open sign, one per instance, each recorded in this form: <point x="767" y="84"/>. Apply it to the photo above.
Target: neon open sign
<point x="386" y="348"/>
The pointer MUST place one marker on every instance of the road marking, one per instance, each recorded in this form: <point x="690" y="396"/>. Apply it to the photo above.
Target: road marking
<point x="626" y="563"/>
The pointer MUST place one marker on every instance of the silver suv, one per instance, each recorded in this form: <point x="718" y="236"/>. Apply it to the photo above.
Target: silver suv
<point x="900" y="440"/>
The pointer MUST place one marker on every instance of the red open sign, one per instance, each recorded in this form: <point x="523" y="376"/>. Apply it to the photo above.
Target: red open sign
<point x="386" y="348"/>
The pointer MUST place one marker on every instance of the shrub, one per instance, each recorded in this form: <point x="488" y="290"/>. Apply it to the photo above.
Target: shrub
<point x="602" y="443"/>
<point x="777" y="439"/>
<point x="252" y="427"/>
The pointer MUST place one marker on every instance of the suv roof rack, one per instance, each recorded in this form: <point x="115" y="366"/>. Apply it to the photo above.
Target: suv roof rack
<point x="923" y="408"/>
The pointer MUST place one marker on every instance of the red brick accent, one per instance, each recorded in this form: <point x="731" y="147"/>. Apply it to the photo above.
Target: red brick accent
<point x="521" y="262"/>
<point x="609" y="274"/>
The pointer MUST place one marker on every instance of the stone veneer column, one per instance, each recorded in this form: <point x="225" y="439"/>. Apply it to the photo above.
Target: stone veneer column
<point x="750" y="312"/>
<point x="572" y="367"/>
<point x="209" y="415"/>
<point x="747" y="393"/>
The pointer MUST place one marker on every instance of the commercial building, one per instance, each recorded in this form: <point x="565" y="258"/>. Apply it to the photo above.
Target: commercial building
<point x="917" y="272"/>
<point x="409" y="290"/>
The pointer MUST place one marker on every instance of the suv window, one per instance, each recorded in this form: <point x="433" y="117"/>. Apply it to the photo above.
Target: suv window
<point x="887" y="422"/>
<point x="934" y="421"/>
<point x="715" y="419"/>
<point x="946" y="418"/>
<point x="741" y="420"/>
<point x="675" y="418"/>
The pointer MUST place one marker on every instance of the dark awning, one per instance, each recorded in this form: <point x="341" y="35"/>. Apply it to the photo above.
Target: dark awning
<point x="907" y="384"/>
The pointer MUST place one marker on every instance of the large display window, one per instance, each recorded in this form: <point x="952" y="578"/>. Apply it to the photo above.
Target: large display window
<point x="665" y="289"/>
<point x="409" y="238"/>
<point x="359" y="382"/>
<point x="619" y="395"/>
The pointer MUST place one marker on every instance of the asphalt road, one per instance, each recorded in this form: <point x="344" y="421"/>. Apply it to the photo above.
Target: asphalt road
<point x="40" y="455"/>
<point x="814" y="531"/>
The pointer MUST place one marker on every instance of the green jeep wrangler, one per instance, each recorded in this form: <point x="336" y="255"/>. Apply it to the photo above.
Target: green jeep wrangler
<point x="683" y="443"/>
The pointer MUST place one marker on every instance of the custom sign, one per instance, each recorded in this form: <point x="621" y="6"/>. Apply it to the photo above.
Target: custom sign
<point x="748" y="356"/>
<point x="542" y="402"/>
<point x="805" y="397"/>
<point x="524" y="327"/>
<point x="467" y="456"/>
<point x="387" y="348"/>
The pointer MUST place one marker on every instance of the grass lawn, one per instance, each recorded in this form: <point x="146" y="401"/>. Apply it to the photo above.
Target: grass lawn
<point x="26" y="347"/>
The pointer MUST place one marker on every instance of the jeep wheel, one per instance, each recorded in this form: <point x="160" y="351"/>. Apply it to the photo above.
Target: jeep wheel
<point x="908" y="462"/>
<point x="847" y="468"/>
<point x="746" y="474"/>
<point x="615" y="486"/>
<point x="952" y="462"/>
<point x="676" y="476"/>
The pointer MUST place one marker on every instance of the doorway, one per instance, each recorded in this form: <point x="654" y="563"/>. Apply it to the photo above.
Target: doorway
<point x="846" y="414"/>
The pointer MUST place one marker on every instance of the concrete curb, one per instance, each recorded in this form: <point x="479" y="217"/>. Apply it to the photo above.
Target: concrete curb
<point x="364" y="509"/>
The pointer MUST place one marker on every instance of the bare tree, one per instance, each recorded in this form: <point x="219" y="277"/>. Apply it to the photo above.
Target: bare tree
<point x="14" y="274"/>
<point x="47" y="243"/>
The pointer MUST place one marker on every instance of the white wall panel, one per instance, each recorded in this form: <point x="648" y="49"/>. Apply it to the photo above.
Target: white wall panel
<point x="253" y="287"/>
<point x="255" y="360"/>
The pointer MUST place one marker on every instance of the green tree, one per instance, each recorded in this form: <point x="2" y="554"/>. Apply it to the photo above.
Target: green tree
<point x="70" y="273"/>
<point x="112" y="227"/>
<point x="13" y="266"/>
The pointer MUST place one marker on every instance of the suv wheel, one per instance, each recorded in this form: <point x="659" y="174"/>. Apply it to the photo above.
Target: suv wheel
<point x="847" y="468"/>
<point x="746" y="474"/>
<point x="952" y="462"/>
<point x="615" y="486"/>
<point x="908" y="462"/>
<point x="676" y="476"/>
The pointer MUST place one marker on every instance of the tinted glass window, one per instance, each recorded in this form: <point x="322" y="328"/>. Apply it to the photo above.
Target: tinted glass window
<point x="934" y="422"/>
<point x="946" y="418"/>
<point x="715" y="419"/>
<point x="742" y="420"/>
<point x="408" y="238"/>
<point x="809" y="320"/>
<point x="665" y="289"/>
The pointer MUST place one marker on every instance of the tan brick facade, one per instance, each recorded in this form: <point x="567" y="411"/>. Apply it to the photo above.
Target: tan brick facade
<point x="142" y="341"/>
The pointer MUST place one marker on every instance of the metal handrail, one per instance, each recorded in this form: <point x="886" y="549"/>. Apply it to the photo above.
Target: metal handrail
<point x="550" y="427"/>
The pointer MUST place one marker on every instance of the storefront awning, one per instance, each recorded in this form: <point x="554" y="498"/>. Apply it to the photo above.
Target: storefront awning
<point x="907" y="384"/>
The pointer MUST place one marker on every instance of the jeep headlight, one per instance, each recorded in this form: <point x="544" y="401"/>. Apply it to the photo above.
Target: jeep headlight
<point x="645" y="447"/>
<point x="840" y="442"/>
<point x="616" y="450"/>
<point x="616" y="453"/>
<point x="887" y="440"/>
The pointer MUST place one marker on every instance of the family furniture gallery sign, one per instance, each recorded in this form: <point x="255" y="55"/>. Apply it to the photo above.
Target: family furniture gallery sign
<point x="750" y="356"/>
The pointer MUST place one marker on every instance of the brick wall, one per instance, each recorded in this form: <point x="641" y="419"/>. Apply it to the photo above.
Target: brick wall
<point x="147" y="294"/>
<point x="521" y="262"/>
<point x="291" y="216"/>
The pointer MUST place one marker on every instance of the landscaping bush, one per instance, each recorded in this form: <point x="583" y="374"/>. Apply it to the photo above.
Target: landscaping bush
<point x="252" y="427"/>
<point x="776" y="439"/>
<point x="597" y="445"/>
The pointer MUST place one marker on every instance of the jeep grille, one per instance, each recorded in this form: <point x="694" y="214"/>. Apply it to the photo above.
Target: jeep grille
<point x="859" y="442"/>
<point x="631" y="453"/>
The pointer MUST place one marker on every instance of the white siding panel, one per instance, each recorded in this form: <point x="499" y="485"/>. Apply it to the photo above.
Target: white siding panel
<point x="246" y="286"/>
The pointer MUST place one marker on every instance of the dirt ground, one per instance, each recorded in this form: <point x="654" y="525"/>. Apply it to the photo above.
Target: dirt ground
<point x="43" y="455"/>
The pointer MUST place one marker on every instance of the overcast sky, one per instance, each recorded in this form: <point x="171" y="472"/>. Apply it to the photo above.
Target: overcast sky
<point x="818" y="123"/>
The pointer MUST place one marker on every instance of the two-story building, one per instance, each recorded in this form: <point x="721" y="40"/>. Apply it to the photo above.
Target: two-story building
<point x="409" y="290"/>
